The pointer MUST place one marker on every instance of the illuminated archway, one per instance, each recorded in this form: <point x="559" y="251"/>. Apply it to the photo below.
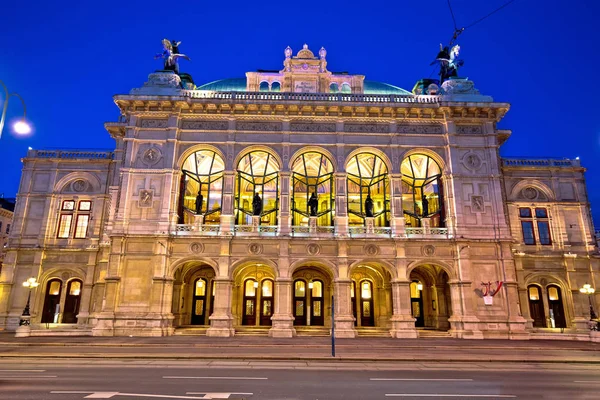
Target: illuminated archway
<point x="312" y="174"/>
<point x="422" y="194"/>
<point x="368" y="189"/>
<point x="257" y="174"/>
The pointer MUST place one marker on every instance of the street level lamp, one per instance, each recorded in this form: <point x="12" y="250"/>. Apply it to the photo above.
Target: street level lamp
<point x="21" y="127"/>
<point x="588" y="290"/>
<point x="24" y="329"/>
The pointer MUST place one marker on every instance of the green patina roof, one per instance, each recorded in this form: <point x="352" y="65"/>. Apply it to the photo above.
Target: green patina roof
<point x="239" y="85"/>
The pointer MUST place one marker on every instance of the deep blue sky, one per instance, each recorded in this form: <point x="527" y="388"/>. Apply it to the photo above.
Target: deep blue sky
<point x="67" y="59"/>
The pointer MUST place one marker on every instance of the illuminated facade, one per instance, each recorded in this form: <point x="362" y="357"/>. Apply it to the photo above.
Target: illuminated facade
<point x="246" y="205"/>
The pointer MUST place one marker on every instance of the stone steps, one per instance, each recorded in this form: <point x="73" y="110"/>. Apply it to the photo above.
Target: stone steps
<point x="372" y="332"/>
<point x="430" y="333"/>
<point x="312" y="331"/>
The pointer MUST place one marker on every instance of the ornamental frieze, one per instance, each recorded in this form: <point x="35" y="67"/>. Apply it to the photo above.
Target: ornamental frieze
<point x="154" y="123"/>
<point x="369" y="128"/>
<point x="205" y="125"/>
<point x="309" y="127"/>
<point x="469" y="129"/>
<point x="258" y="126"/>
<point x="419" y="129"/>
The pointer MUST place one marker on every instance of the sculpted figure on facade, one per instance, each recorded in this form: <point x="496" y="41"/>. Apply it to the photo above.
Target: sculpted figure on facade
<point x="171" y="55"/>
<point x="199" y="200"/>
<point x="369" y="206"/>
<point x="313" y="204"/>
<point x="449" y="63"/>
<point x="257" y="205"/>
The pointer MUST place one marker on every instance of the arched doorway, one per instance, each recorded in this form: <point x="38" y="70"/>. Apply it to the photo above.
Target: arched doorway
<point x="422" y="194"/>
<point x="430" y="297"/>
<point x="193" y="294"/>
<point x="371" y="296"/>
<point x="255" y="289"/>
<point x="555" y="306"/>
<point x="51" y="311"/>
<point x="311" y="293"/>
<point x="546" y="306"/>
<point x="536" y="306"/>
<point x="72" y="302"/>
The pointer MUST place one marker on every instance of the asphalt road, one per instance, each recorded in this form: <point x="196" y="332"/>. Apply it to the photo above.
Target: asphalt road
<point x="126" y="380"/>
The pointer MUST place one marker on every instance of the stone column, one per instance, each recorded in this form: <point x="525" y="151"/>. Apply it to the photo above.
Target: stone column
<point x="285" y="219"/>
<point x="441" y="307"/>
<point x="227" y="216"/>
<point x="282" y="319"/>
<point x="403" y="323"/>
<point x="341" y="205"/>
<point x="344" y="320"/>
<point x="397" y="213"/>
<point x="221" y="320"/>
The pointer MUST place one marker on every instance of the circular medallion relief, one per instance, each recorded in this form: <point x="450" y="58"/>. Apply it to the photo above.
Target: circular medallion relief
<point x="65" y="276"/>
<point x="255" y="248"/>
<point x="530" y="193"/>
<point x="196" y="247"/>
<point x="313" y="249"/>
<point x="473" y="161"/>
<point x="371" y="250"/>
<point x="79" y="185"/>
<point x="151" y="156"/>
<point x="428" y="250"/>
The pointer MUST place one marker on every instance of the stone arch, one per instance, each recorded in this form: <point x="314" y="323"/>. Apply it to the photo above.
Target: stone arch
<point x="444" y="266"/>
<point x="565" y="292"/>
<point x="252" y="148"/>
<point x="377" y="152"/>
<point x="246" y="265"/>
<point x="92" y="180"/>
<point x="310" y="149"/>
<point x="536" y="277"/>
<point x="192" y="149"/>
<point x="326" y="266"/>
<point x="542" y="187"/>
<point x="389" y="268"/>
<point x="428" y="152"/>
<point x="191" y="262"/>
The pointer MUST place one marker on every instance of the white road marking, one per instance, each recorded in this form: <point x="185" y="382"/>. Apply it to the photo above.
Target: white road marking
<point x="420" y="379"/>
<point x="587" y="382"/>
<point x="109" y="395"/>
<point x="22" y="370"/>
<point x="241" y="378"/>
<point x="219" y="395"/>
<point x="27" y="376"/>
<point x="493" y="396"/>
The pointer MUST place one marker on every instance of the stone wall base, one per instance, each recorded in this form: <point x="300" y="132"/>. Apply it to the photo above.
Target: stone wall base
<point x="120" y="325"/>
<point x="220" y="326"/>
<point x="403" y="327"/>
<point x="282" y="327"/>
<point x="344" y="327"/>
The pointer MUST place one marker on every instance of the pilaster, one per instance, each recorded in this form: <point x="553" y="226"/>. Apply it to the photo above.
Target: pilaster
<point x="282" y="319"/>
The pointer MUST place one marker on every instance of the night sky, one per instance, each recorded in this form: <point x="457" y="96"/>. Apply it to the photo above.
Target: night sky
<point x="67" y="59"/>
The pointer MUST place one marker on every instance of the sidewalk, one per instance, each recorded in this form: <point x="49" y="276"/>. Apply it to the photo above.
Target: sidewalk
<point x="300" y="348"/>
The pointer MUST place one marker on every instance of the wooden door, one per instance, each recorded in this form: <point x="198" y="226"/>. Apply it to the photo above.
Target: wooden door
<point x="249" y="303"/>
<point x="536" y="307"/>
<point x="72" y="302"/>
<point x="299" y="302"/>
<point x="212" y="298"/>
<point x="317" y="304"/>
<point x="353" y="300"/>
<point x="266" y="302"/>
<point x="367" y="314"/>
<point x="556" y="306"/>
<point x="199" y="302"/>
<point x="416" y="303"/>
<point x="52" y="300"/>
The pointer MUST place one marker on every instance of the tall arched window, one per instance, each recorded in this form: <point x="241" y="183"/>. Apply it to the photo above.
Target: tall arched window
<point x="202" y="187"/>
<point x="422" y="194"/>
<point x="275" y="87"/>
<point x="312" y="174"/>
<point x="264" y="87"/>
<point x="334" y="88"/>
<point x="257" y="174"/>
<point x="368" y="189"/>
<point x="346" y="88"/>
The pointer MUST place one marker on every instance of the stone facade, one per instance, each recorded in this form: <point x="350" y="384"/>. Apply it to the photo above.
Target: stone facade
<point x="7" y="207"/>
<point x="154" y="258"/>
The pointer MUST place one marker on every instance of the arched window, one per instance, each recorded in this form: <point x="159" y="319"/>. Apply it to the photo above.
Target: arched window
<point x="51" y="310"/>
<point x="556" y="312"/>
<point x="346" y="88"/>
<point x="257" y="183"/>
<point x="334" y="88"/>
<point x="368" y="189"/>
<point x="264" y="87"/>
<point x="202" y="184"/>
<point x="422" y="195"/>
<point x="72" y="302"/>
<point x="536" y="306"/>
<point x="275" y="87"/>
<point x="312" y="178"/>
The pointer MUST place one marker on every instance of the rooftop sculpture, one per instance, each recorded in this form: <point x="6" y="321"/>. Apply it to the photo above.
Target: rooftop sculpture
<point x="171" y="55"/>
<point x="448" y="61"/>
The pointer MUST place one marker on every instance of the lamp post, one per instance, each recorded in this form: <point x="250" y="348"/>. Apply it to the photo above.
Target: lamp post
<point x="24" y="329"/>
<point x="588" y="290"/>
<point x="21" y="127"/>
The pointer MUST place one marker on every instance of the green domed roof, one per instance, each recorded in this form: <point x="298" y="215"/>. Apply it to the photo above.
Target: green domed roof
<point x="239" y="85"/>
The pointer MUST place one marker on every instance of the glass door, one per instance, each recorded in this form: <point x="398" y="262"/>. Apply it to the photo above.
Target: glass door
<point x="266" y="301"/>
<point x="52" y="302"/>
<point x="72" y="302"/>
<point x="299" y="302"/>
<point x="353" y="300"/>
<point x="199" y="302"/>
<point x="536" y="307"/>
<point x="367" y="317"/>
<point x="557" y="312"/>
<point x="416" y="303"/>
<point x="249" y="317"/>
<point x="316" y="300"/>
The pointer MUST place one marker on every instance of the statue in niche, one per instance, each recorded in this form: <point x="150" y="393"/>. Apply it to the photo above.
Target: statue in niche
<point x="369" y="206"/>
<point x="171" y="55"/>
<point x="199" y="200"/>
<point x="313" y="204"/>
<point x="449" y="63"/>
<point x="257" y="204"/>
<point x="425" y="204"/>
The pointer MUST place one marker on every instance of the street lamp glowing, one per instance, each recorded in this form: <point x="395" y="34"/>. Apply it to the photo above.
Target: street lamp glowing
<point x="22" y="127"/>
<point x="31" y="283"/>
<point x="587" y="289"/>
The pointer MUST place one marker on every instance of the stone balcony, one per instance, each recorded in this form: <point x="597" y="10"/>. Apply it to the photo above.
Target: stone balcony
<point x="540" y="162"/>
